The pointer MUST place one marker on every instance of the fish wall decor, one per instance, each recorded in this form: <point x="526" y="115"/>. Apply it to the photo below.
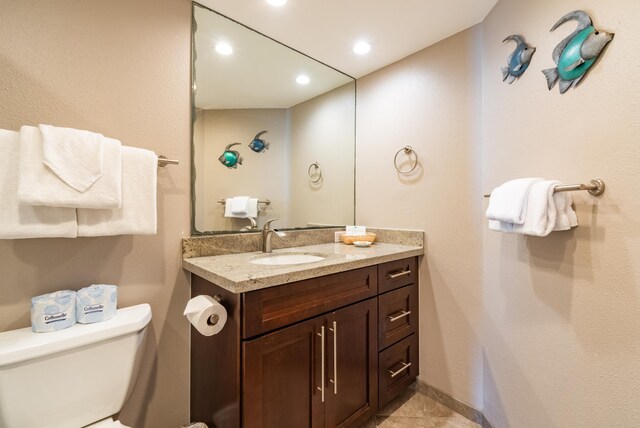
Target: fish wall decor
<point x="577" y="53"/>
<point x="519" y="60"/>
<point x="258" y="144"/>
<point x="230" y="158"/>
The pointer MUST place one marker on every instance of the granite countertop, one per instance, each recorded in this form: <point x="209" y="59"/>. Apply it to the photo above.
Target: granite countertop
<point x="235" y="273"/>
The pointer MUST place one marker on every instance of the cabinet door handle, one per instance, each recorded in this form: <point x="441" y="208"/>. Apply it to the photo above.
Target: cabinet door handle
<point x="334" y="330"/>
<point x="398" y="274"/>
<point x="404" y="367"/>
<point x="321" y="387"/>
<point x="397" y="317"/>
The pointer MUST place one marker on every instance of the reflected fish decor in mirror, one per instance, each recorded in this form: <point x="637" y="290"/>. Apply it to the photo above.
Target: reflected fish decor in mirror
<point x="231" y="158"/>
<point x="258" y="144"/>
<point x="577" y="53"/>
<point x="519" y="60"/>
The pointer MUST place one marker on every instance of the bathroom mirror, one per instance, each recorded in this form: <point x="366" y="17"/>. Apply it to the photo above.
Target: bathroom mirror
<point x="245" y="83"/>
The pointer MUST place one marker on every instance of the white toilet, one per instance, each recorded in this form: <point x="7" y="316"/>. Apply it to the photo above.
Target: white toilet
<point x="73" y="378"/>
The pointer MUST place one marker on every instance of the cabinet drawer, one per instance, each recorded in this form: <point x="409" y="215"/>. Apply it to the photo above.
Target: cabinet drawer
<point x="397" y="315"/>
<point x="397" y="274"/>
<point x="275" y="307"/>
<point x="397" y="368"/>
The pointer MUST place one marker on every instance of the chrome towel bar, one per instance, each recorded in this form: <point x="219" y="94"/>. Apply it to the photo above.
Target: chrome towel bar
<point x="595" y="188"/>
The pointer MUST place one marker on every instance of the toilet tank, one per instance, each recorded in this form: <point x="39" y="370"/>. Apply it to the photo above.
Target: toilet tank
<point x="73" y="377"/>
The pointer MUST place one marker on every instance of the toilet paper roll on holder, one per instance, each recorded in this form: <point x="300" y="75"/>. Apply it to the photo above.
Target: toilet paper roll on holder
<point x="213" y="319"/>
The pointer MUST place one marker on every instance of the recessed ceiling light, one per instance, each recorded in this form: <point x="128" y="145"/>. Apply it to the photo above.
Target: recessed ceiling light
<point x="361" y="48"/>
<point x="224" y="48"/>
<point x="277" y="3"/>
<point x="303" y="79"/>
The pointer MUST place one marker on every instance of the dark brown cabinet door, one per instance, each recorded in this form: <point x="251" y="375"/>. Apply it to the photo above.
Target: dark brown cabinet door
<point x="352" y="393"/>
<point x="282" y="376"/>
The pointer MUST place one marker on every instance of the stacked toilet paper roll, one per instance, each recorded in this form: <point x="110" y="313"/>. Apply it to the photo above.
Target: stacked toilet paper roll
<point x="96" y="303"/>
<point x="53" y="311"/>
<point x="206" y="315"/>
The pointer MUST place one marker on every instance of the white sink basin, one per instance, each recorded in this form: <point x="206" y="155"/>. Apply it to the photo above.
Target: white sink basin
<point x="287" y="259"/>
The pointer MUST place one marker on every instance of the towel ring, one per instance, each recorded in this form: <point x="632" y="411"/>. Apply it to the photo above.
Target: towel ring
<point x="407" y="150"/>
<point x="318" y="172"/>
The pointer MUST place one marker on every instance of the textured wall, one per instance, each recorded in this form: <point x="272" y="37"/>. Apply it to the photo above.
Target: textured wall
<point x="430" y="100"/>
<point x="561" y="339"/>
<point x="120" y="68"/>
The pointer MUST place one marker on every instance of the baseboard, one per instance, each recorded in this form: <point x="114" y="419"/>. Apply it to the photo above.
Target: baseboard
<point x="456" y="405"/>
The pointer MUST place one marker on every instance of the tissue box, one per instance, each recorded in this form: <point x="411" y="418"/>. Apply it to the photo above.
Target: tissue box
<point x="53" y="311"/>
<point x="96" y="303"/>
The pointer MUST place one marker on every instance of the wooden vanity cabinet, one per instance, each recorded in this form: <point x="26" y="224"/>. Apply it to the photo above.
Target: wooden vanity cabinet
<point x="283" y="345"/>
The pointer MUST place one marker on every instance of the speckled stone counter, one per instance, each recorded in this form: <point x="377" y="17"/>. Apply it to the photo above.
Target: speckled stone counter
<point x="235" y="273"/>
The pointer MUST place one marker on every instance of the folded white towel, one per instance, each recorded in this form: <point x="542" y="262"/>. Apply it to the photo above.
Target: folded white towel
<point x="138" y="214"/>
<point x="508" y="202"/>
<point x="38" y="185"/>
<point x="566" y="216"/>
<point x="251" y="211"/>
<point x="239" y="205"/>
<point x="75" y="156"/>
<point x="18" y="222"/>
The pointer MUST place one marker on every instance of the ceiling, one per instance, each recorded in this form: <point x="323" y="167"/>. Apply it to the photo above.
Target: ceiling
<point x="327" y="29"/>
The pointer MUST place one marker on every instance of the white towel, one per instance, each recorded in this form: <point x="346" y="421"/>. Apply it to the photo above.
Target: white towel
<point x="239" y="205"/>
<point x="75" y="156"/>
<point x="18" y="222"/>
<point x="566" y="216"/>
<point x="138" y="214"/>
<point x="508" y="202"/>
<point x="38" y="185"/>
<point x="251" y="211"/>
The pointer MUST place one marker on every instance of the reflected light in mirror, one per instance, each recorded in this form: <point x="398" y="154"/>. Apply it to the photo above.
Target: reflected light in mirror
<point x="224" y="48"/>
<point x="277" y="3"/>
<point x="303" y="79"/>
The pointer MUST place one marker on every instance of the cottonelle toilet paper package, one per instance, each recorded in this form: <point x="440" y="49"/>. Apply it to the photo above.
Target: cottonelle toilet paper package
<point x="96" y="303"/>
<point x="53" y="311"/>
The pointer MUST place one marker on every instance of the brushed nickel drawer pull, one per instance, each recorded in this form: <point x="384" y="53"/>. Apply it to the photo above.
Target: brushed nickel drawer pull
<point x="398" y="274"/>
<point x="404" y="367"/>
<point x="397" y="317"/>
<point x="335" y="357"/>
<point x="321" y="388"/>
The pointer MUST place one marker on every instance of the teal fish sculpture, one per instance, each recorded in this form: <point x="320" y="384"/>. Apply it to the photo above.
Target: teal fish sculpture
<point x="518" y="61"/>
<point x="577" y="53"/>
<point x="258" y="144"/>
<point x="230" y="158"/>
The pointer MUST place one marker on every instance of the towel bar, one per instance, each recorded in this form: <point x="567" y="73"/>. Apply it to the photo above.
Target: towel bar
<point x="163" y="161"/>
<point x="596" y="188"/>
<point x="266" y="201"/>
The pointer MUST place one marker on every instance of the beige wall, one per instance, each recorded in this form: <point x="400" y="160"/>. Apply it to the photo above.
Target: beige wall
<point x="121" y="68"/>
<point x="430" y="101"/>
<point x="322" y="130"/>
<point x="561" y="341"/>
<point x="262" y="175"/>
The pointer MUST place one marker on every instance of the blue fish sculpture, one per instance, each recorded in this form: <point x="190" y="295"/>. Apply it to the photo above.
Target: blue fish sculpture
<point x="258" y="144"/>
<point x="230" y="158"/>
<point x="519" y="60"/>
<point x="577" y="53"/>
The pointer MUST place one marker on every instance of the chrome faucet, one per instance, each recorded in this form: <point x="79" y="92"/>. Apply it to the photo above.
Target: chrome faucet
<point x="267" y="232"/>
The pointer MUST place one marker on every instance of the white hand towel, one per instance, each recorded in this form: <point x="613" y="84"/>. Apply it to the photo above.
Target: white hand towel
<point x="38" y="185"/>
<point x="508" y="202"/>
<point x="252" y="209"/>
<point x="541" y="210"/>
<point x="75" y="156"/>
<point x="239" y="205"/>
<point x="566" y="216"/>
<point x="18" y="222"/>
<point x="138" y="214"/>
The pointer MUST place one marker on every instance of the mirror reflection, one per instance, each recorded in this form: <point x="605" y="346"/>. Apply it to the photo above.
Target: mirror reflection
<point x="273" y="133"/>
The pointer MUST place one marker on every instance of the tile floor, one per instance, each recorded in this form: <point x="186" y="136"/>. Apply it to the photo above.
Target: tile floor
<point x="415" y="410"/>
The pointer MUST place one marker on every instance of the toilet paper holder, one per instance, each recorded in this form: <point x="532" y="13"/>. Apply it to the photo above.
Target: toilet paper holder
<point x="213" y="319"/>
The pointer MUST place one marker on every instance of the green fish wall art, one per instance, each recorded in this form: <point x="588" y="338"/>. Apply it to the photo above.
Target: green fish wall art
<point x="519" y="60"/>
<point x="575" y="55"/>
<point x="231" y="158"/>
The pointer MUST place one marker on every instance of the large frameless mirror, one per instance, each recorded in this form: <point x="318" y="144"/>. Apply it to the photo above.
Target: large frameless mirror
<point x="273" y="133"/>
